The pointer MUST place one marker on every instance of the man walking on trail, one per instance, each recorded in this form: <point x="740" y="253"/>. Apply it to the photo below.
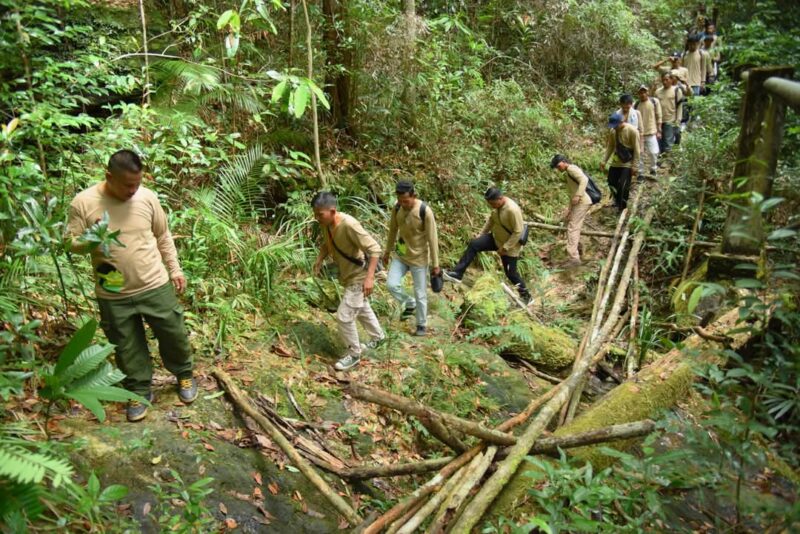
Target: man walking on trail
<point x="356" y="255"/>
<point x="630" y="115"/>
<point x="579" y="205"/>
<point x="649" y="109"/>
<point x="132" y="285"/>
<point x="670" y="98"/>
<point x="623" y="144"/>
<point x="502" y="232"/>
<point x="414" y="241"/>
<point x="697" y="64"/>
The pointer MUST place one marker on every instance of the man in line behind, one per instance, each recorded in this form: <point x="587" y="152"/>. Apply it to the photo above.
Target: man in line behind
<point x="579" y="205"/>
<point x="622" y="142"/>
<point x="649" y="109"/>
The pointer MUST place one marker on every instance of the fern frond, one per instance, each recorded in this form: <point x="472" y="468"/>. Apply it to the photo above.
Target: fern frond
<point x="18" y="502"/>
<point x="25" y="467"/>
<point x="240" y="186"/>
<point x="185" y="77"/>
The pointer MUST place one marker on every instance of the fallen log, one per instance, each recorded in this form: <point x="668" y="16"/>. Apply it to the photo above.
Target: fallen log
<point x="440" y="432"/>
<point x="241" y="400"/>
<point x="394" y="470"/>
<point x="412" y="407"/>
<point x="609" y="235"/>
<point x="430" y="506"/>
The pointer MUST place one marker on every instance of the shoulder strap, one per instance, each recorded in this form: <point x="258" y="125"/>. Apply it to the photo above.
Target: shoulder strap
<point x="636" y="105"/>
<point x="653" y="101"/>
<point x="422" y="209"/>
<point x="351" y="259"/>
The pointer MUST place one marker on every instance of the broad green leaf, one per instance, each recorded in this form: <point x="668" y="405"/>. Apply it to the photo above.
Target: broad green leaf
<point x="278" y="91"/>
<point x="300" y="100"/>
<point x="694" y="299"/>
<point x="749" y="283"/>
<point x="80" y="340"/>
<point x="93" y="485"/>
<point x="114" y="492"/>
<point x="225" y="18"/>
<point x="781" y="233"/>
<point x="90" y="402"/>
<point x="109" y="393"/>
<point x="87" y="361"/>
<point x="770" y="203"/>
<point x="318" y="93"/>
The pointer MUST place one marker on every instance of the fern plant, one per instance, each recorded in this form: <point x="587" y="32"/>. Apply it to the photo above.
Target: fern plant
<point x="83" y="373"/>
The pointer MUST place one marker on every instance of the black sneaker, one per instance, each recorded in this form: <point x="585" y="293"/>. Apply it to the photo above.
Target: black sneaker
<point x="421" y="331"/>
<point x="187" y="390"/>
<point x="137" y="410"/>
<point x="451" y="276"/>
<point x="408" y="312"/>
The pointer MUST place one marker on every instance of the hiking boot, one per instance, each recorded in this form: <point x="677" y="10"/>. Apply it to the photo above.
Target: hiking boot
<point x="348" y="361"/>
<point x="187" y="390"/>
<point x="137" y="410"/>
<point x="421" y="331"/>
<point x="408" y="312"/>
<point x="526" y="299"/>
<point x="373" y="343"/>
<point x="451" y="276"/>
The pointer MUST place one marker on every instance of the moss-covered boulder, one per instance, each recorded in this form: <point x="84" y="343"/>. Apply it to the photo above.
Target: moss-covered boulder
<point x="486" y="304"/>
<point x="546" y="347"/>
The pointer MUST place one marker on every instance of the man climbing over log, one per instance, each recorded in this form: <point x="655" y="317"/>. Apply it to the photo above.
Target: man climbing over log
<point x="132" y="285"/>
<point x="356" y="254"/>
<point x="622" y="142"/>
<point x="649" y="109"/>
<point x="505" y="231"/>
<point x="414" y="243"/>
<point x="579" y="205"/>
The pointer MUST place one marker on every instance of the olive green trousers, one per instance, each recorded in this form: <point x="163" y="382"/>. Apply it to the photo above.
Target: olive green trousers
<point x="123" y="322"/>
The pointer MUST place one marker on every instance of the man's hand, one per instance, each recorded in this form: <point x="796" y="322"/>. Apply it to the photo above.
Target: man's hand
<point x="501" y="251"/>
<point x="180" y="283"/>
<point x="386" y="258"/>
<point x="603" y="166"/>
<point x="575" y="200"/>
<point x="658" y="133"/>
<point x="435" y="271"/>
<point x="369" y="285"/>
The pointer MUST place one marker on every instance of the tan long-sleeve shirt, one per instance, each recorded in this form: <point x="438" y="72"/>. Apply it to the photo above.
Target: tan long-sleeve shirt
<point x="419" y="245"/>
<point x="139" y="265"/>
<point x="650" y="113"/>
<point x="697" y="63"/>
<point x="352" y="239"/>
<point x="670" y="112"/>
<point x="507" y="217"/>
<point x="576" y="184"/>
<point x="629" y="137"/>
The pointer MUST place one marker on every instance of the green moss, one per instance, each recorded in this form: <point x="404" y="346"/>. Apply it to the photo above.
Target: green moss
<point x="551" y="349"/>
<point x="486" y="303"/>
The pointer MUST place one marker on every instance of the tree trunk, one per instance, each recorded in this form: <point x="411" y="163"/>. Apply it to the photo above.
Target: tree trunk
<point x="338" y="64"/>
<point x="310" y="76"/>
<point x="408" y="98"/>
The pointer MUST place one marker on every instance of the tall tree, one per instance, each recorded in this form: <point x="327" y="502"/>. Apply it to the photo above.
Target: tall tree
<point x="339" y="62"/>
<point x="408" y="97"/>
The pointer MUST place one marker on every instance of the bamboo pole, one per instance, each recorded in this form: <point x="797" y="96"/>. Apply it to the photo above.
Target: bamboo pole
<point x="435" y="500"/>
<point x="688" y="259"/>
<point x="241" y="400"/>
<point x="632" y="362"/>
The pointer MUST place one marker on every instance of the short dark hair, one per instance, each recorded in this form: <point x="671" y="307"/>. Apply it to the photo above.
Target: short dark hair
<point x="324" y="199"/>
<point x="404" y="187"/>
<point x="694" y="37"/>
<point x="493" y="193"/>
<point x="558" y="158"/>
<point x="626" y="98"/>
<point x="124" y="160"/>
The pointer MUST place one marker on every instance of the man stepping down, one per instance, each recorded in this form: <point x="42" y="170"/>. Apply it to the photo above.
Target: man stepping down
<point x="622" y="142"/>
<point x="356" y="254"/>
<point x="579" y="205"/>
<point x="132" y="285"/>
<point x="502" y="232"/>
<point x="413" y="245"/>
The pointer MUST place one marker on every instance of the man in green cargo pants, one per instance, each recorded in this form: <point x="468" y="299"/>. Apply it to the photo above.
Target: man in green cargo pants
<point x="133" y="285"/>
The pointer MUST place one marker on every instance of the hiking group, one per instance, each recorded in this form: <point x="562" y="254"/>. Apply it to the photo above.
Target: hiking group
<point x="138" y="274"/>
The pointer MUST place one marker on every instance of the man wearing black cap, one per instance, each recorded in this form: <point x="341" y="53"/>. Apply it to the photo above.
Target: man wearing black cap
<point x="623" y="143"/>
<point x="579" y="205"/>
<point x="502" y="232"/>
<point x="413" y="245"/>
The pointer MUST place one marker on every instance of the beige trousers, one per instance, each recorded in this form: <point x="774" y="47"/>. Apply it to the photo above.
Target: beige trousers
<point x="577" y="214"/>
<point x="354" y="306"/>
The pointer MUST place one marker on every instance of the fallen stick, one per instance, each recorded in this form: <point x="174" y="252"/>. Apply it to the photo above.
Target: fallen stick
<point x="430" y="506"/>
<point x="609" y="235"/>
<point x="394" y="527"/>
<point x="529" y="366"/>
<point x="412" y="407"/>
<point x="551" y="445"/>
<point x="440" y="432"/>
<point x="240" y="399"/>
<point x="394" y="470"/>
<point x="699" y="330"/>
<point x="698" y="215"/>
<point x="631" y="360"/>
<point x="294" y="401"/>
<point x="517" y="300"/>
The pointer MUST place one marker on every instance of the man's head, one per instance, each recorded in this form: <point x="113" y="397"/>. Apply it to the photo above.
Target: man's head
<point x="675" y="58"/>
<point x="708" y="40"/>
<point x="559" y="162"/>
<point x="666" y="80"/>
<point x="643" y="93"/>
<point x="324" y="206"/>
<point x="406" y="195"/>
<point x="123" y="175"/>
<point x="626" y="102"/>
<point x="711" y="28"/>
<point x="693" y="42"/>
<point x="494" y="197"/>
<point x="615" y="121"/>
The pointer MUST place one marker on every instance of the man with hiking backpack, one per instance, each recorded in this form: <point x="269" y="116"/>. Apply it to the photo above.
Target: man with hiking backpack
<point x="622" y="143"/>
<point x="670" y="97"/>
<point x="506" y="232"/>
<point x="414" y="244"/>
<point x="356" y="255"/>
<point x="583" y="192"/>
<point x="649" y="109"/>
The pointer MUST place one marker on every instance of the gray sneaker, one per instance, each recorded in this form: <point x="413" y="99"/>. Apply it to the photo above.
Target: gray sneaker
<point x="421" y="331"/>
<point x="187" y="390"/>
<point x="373" y="343"/>
<point x="137" y="410"/>
<point x="349" y="361"/>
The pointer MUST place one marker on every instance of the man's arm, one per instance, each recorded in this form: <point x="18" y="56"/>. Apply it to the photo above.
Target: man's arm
<point x="392" y="236"/>
<point x="610" y="142"/>
<point x="659" y="116"/>
<point x="366" y="243"/>
<point x="637" y="154"/>
<point x="583" y="182"/>
<point x="517" y="226"/>
<point x="433" y="239"/>
<point x="323" y="253"/>
<point x="166" y="246"/>
<point x="76" y="225"/>
<point x="487" y="226"/>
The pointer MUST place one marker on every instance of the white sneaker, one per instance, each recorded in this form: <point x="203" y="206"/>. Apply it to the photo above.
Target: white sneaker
<point x="373" y="343"/>
<point x="349" y="361"/>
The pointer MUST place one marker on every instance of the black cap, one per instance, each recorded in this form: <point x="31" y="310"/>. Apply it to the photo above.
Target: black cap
<point x="403" y="187"/>
<point x="493" y="193"/>
<point x="558" y="158"/>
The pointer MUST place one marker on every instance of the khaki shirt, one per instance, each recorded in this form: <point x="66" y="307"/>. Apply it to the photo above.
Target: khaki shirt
<point x="682" y="73"/>
<point x="576" y="184"/>
<point x="696" y="63"/>
<point x="629" y="137"/>
<point x="139" y="265"/>
<point x="650" y="114"/>
<point x="633" y="117"/>
<point x="509" y="215"/>
<point x="351" y="239"/>
<point x="670" y="113"/>
<point x="419" y="244"/>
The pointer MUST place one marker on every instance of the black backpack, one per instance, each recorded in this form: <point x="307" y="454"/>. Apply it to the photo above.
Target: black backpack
<point x="595" y="195"/>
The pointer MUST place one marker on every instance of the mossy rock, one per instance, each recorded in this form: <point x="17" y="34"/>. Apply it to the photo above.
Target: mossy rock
<point x="486" y="303"/>
<point x="552" y="350"/>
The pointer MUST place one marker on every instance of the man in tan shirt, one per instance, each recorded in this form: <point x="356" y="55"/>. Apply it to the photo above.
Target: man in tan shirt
<point x="502" y="232"/>
<point x="622" y="142"/>
<point x="649" y="109"/>
<point x="413" y="245"/>
<point x="698" y="64"/>
<point x="671" y="99"/>
<point x="579" y="204"/>
<point x="132" y="285"/>
<point x="356" y="255"/>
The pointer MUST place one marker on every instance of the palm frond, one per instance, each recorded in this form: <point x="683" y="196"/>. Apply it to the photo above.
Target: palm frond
<point x="24" y="466"/>
<point x="184" y="77"/>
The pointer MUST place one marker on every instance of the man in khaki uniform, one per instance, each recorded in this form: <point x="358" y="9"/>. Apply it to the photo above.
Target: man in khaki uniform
<point x="502" y="232"/>
<point x="697" y="63"/>
<point x="579" y="205"/>
<point x="132" y="285"/>
<point x="414" y="243"/>
<point x="629" y="114"/>
<point x="649" y="109"/>
<point x="622" y="142"/>
<point x="670" y="97"/>
<point x="356" y="255"/>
